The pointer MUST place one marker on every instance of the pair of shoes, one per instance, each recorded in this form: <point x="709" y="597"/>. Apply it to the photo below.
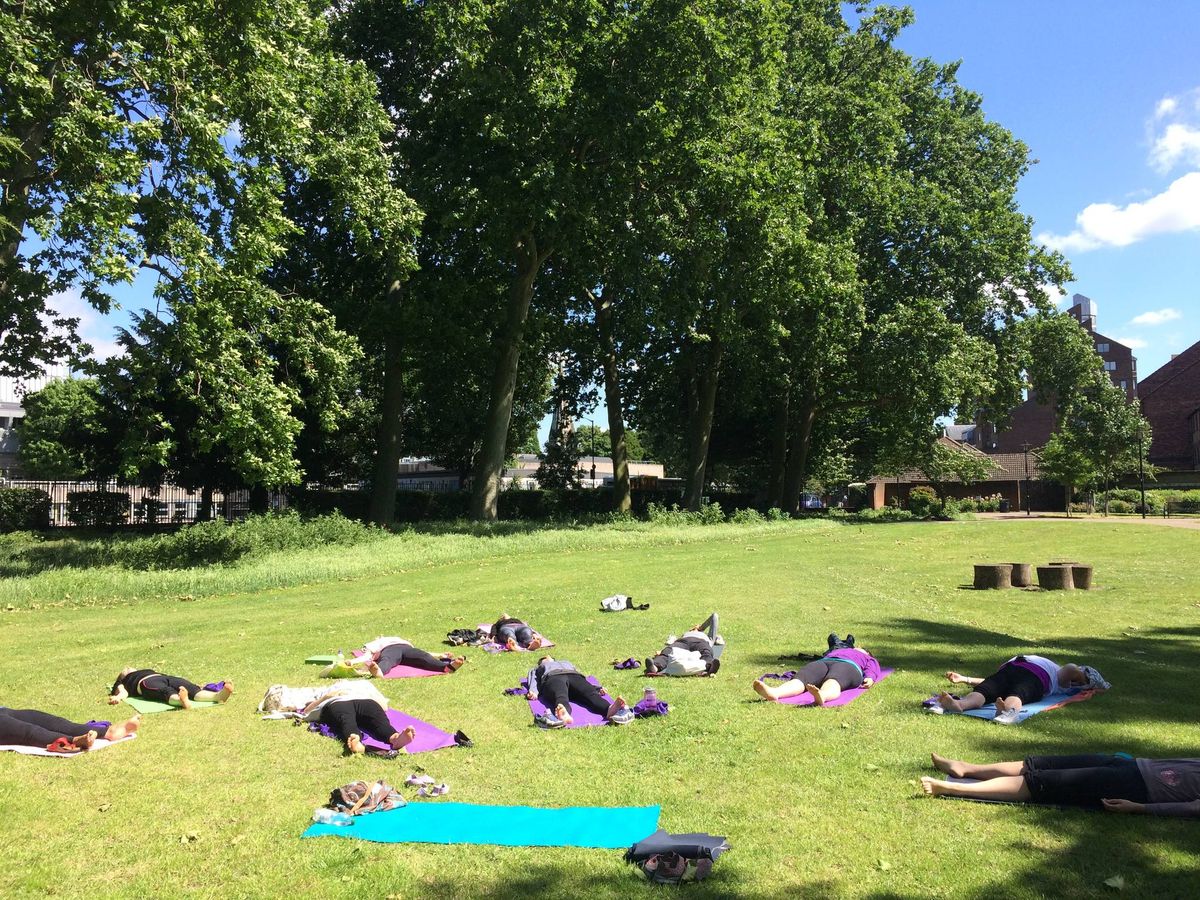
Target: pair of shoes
<point x="462" y="740"/>
<point x="712" y="667"/>
<point x="622" y="716"/>
<point x="548" y="720"/>
<point x="1008" y="717"/>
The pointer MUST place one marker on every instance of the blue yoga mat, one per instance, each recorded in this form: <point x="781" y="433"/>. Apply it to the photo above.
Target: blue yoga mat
<point x="608" y="827"/>
<point x="1053" y="701"/>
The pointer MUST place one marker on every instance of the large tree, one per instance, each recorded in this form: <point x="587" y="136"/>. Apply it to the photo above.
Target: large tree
<point x="161" y="136"/>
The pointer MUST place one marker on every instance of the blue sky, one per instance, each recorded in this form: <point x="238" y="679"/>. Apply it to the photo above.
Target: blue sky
<point x="1107" y="95"/>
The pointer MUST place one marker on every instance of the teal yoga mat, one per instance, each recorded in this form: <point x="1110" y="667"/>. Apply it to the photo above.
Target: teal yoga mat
<point x="142" y="705"/>
<point x="607" y="827"/>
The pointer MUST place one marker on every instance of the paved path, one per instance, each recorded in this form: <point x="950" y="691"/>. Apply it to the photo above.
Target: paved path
<point x="1177" y="522"/>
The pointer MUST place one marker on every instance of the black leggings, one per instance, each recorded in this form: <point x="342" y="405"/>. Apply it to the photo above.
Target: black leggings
<point x="347" y="717"/>
<point x="698" y="645"/>
<point x="817" y="672"/>
<point x="163" y="687"/>
<point x="33" y="728"/>
<point x="1011" y="681"/>
<point x="1084" y="779"/>
<point x="403" y="655"/>
<point x="571" y="687"/>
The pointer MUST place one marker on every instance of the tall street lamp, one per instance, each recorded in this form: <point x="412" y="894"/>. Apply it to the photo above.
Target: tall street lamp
<point x="592" y="431"/>
<point x="1142" y="468"/>
<point x="1025" y="447"/>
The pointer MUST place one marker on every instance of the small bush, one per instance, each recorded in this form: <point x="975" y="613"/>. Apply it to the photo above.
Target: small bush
<point x="748" y="516"/>
<point x="710" y="514"/>
<point x="775" y="514"/>
<point x="24" y="509"/>
<point x="98" y="509"/>
<point x="886" y="514"/>
<point x="923" y="502"/>
<point x="1121" y="506"/>
<point x="661" y="514"/>
<point x="968" y="506"/>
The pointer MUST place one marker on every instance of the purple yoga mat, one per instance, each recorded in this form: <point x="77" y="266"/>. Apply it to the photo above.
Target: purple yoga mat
<point x="581" y="718"/>
<point x="428" y="737"/>
<point x="847" y="696"/>
<point x="403" y="671"/>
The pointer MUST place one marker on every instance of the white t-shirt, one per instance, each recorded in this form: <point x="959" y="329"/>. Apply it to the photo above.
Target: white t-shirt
<point x="1046" y="665"/>
<point x="379" y="643"/>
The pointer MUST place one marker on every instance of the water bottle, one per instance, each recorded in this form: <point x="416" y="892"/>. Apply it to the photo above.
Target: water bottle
<point x="325" y="816"/>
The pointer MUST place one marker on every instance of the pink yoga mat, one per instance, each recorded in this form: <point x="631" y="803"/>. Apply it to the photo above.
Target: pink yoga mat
<point x="428" y="737"/>
<point x="403" y="671"/>
<point x="581" y="718"/>
<point x="847" y="696"/>
<point x="493" y="647"/>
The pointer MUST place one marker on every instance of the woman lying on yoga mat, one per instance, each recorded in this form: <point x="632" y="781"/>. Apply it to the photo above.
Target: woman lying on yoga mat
<point x="825" y="678"/>
<point x="1156" y="787"/>
<point x="1021" y="680"/>
<point x="514" y="633"/>
<point x="169" y="689"/>
<point x="383" y="654"/>
<point x="351" y="713"/>
<point x="33" y="728"/>
<point x="559" y="684"/>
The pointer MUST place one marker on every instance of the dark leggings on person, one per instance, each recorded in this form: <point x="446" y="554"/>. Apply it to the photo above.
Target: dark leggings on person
<point x="1084" y="779"/>
<point x="361" y="717"/>
<point x="403" y="655"/>
<point x="519" y="632"/>
<point x="1011" y="681"/>
<point x="34" y="728"/>
<point x="698" y="645"/>
<point x="817" y="672"/>
<point x="571" y="687"/>
<point x="163" y="687"/>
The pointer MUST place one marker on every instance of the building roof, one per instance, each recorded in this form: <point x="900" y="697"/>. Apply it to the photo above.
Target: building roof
<point x="1005" y="466"/>
<point x="1170" y="396"/>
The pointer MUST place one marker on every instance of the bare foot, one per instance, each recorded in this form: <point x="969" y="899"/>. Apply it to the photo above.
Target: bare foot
<point x="949" y="766"/>
<point x="815" y="692"/>
<point x="562" y="712"/>
<point x="118" y="730"/>
<point x="225" y="693"/>
<point x="948" y="702"/>
<point x="355" y="745"/>
<point x="401" y="738"/>
<point x="617" y="705"/>
<point x="84" y="741"/>
<point x="535" y="643"/>
<point x="763" y="690"/>
<point x="184" y="700"/>
<point x="374" y="670"/>
<point x="457" y="663"/>
<point x="510" y="644"/>
<point x="933" y="787"/>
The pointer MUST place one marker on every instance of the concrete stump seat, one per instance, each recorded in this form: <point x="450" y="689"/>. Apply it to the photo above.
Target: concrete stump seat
<point x="1081" y="576"/>
<point x="1022" y="574"/>
<point x="1055" y="578"/>
<point x="993" y="576"/>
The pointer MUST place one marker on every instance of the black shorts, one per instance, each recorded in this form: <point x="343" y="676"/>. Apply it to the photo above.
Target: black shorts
<point x="163" y="687"/>
<point x="1011" y="681"/>
<point x="847" y="675"/>
<point x="1084" y="779"/>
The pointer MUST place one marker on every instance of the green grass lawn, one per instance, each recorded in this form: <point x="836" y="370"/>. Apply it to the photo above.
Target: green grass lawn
<point x="816" y="803"/>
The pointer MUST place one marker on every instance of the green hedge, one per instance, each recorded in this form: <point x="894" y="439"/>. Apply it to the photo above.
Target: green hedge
<point x="98" y="509"/>
<point x="24" y="509"/>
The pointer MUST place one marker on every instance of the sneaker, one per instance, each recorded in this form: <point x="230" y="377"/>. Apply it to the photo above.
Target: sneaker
<point x="622" y="716"/>
<point x="934" y="709"/>
<point x="1008" y="717"/>
<point x="548" y="720"/>
<point x="651" y="669"/>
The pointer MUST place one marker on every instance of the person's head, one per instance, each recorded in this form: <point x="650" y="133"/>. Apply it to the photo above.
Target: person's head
<point x="125" y="671"/>
<point x="1073" y="675"/>
<point x="545" y="659"/>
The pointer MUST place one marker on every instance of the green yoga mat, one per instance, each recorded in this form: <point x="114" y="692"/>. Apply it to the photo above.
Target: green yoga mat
<point x="322" y="660"/>
<point x="142" y="705"/>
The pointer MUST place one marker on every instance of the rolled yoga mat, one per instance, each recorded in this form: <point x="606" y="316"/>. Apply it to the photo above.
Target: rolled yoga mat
<point x="847" y="696"/>
<point x="601" y="827"/>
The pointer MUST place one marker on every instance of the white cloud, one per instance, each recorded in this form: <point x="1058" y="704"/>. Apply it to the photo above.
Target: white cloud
<point x="1106" y="225"/>
<point x="96" y="329"/>
<point x="1178" y="143"/>
<point x="1132" y="343"/>
<point x="1165" y="107"/>
<point x="1157" y="316"/>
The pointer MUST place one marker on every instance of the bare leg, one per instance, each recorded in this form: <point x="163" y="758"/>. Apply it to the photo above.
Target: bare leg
<point x="960" y="769"/>
<point x="180" y="699"/>
<point x="973" y="700"/>
<point x="218" y="696"/>
<point x="118" y="730"/>
<point x="779" y="691"/>
<point x="401" y="738"/>
<point x="1007" y="787"/>
<point x="828" y="690"/>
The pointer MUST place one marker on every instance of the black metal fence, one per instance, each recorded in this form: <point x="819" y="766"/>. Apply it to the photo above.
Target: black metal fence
<point x="168" y="505"/>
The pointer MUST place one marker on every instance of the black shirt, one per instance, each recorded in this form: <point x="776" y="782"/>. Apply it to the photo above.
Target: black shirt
<point x="130" y="681"/>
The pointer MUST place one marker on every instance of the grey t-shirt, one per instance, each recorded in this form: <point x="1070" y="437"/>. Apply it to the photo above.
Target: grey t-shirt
<point x="1171" y="781"/>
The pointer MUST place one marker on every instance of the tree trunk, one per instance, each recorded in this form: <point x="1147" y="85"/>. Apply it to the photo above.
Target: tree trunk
<point x="776" y="478"/>
<point x="622" y="498"/>
<point x="260" y="499"/>
<point x="797" y="457"/>
<point x="204" y="512"/>
<point x="485" y="494"/>
<point x="382" y="509"/>
<point x="702" y="402"/>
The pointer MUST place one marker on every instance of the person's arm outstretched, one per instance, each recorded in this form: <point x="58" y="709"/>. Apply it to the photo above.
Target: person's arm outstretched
<point x="531" y="681"/>
<point x="1188" y="809"/>
<point x="962" y="679"/>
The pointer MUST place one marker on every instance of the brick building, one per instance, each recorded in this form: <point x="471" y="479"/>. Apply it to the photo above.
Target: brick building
<point x="1171" y="404"/>
<point x="1033" y="423"/>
